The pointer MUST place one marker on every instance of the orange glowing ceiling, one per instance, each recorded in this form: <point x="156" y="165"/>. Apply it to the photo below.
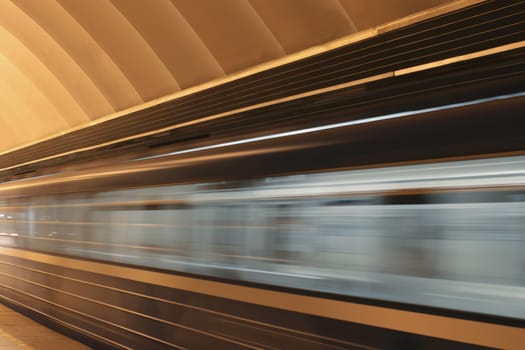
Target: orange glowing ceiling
<point x="67" y="63"/>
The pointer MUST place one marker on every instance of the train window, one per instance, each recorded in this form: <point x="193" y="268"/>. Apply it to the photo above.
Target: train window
<point x="13" y="223"/>
<point x="228" y="230"/>
<point x="43" y="210"/>
<point x="482" y="196"/>
<point x="351" y="201"/>
<point x="416" y="198"/>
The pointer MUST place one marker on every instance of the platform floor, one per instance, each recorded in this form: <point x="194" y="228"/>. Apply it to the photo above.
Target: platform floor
<point x="18" y="332"/>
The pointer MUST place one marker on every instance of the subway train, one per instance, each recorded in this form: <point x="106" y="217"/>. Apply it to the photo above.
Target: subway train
<point x="320" y="239"/>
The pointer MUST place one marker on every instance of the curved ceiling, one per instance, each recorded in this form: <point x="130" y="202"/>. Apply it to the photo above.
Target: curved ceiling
<point x="66" y="63"/>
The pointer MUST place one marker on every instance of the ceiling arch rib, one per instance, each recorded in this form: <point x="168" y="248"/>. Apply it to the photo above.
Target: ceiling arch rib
<point x="55" y="58"/>
<point x="233" y="32"/>
<point x="301" y="24"/>
<point x="173" y="40"/>
<point x="370" y="13"/>
<point x="25" y="104"/>
<point x="82" y="48"/>
<point x="47" y="83"/>
<point x="124" y="44"/>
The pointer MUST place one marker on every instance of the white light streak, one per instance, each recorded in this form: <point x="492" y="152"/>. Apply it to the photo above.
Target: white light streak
<point x="339" y="125"/>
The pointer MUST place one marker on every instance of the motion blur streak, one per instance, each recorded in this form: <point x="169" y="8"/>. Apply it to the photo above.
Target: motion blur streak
<point x="447" y="235"/>
<point x="344" y="124"/>
<point x="298" y="241"/>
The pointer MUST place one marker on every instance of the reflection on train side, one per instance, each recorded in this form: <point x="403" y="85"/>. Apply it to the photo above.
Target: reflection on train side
<point x="406" y="234"/>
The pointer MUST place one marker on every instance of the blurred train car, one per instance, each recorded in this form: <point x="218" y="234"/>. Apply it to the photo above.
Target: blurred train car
<point x="238" y="247"/>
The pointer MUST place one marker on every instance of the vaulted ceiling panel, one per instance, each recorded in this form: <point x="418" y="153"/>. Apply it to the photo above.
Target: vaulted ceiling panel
<point x="23" y="102"/>
<point x="369" y="13"/>
<point x="7" y="133"/>
<point x="15" y="130"/>
<point x="43" y="79"/>
<point x="301" y="24"/>
<point x="173" y="40"/>
<point x="58" y="61"/>
<point x="124" y="44"/>
<point x="84" y="50"/>
<point x="233" y="32"/>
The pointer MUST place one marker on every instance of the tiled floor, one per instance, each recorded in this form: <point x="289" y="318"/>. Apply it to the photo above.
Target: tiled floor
<point x="18" y="332"/>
